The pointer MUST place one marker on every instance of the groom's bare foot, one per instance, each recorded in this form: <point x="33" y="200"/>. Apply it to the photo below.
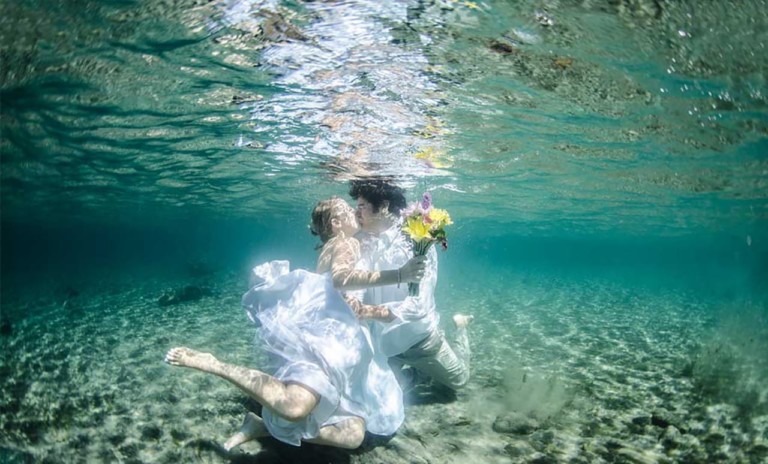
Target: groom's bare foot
<point x="185" y="357"/>
<point x="462" y="321"/>
<point x="253" y="427"/>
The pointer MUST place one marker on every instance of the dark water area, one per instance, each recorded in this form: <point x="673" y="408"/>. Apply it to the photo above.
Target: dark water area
<point x="722" y="267"/>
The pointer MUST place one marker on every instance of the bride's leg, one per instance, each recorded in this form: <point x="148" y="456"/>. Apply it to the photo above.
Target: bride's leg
<point x="253" y="427"/>
<point x="290" y="401"/>
<point x="347" y="434"/>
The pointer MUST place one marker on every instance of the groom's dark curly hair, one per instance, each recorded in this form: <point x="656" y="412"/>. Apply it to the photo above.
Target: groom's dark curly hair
<point x="376" y="190"/>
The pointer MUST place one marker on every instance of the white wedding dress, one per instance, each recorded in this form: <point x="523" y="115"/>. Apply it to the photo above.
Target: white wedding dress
<point x="315" y="340"/>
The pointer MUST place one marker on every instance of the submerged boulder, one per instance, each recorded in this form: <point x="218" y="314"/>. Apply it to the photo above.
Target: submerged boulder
<point x="183" y="294"/>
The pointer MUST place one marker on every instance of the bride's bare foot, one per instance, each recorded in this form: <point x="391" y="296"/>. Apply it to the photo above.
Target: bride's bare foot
<point x="253" y="427"/>
<point x="185" y="357"/>
<point x="462" y="321"/>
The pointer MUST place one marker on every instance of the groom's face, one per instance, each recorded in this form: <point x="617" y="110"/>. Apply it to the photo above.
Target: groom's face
<point x="364" y="214"/>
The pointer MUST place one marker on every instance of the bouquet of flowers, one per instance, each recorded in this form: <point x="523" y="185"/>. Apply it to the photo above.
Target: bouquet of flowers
<point x="425" y="226"/>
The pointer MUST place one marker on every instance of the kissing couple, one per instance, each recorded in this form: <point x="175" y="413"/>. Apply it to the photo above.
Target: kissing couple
<point x="339" y="339"/>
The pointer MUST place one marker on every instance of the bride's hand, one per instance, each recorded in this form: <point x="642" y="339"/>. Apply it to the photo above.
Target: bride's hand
<point x="413" y="270"/>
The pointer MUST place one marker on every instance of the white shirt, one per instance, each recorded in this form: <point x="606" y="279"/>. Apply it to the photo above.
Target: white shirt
<point x="390" y="250"/>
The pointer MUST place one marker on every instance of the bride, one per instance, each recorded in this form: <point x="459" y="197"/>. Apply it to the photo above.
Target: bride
<point x="330" y="384"/>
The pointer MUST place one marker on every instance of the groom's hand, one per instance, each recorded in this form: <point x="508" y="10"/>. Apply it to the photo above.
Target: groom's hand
<point x="413" y="270"/>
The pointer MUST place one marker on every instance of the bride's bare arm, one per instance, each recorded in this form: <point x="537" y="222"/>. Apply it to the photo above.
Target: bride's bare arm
<point x="339" y="256"/>
<point x="344" y="256"/>
<point x="364" y="311"/>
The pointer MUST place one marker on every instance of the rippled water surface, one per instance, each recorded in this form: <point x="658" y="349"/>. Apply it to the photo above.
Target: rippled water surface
<point x="634" y="117"/>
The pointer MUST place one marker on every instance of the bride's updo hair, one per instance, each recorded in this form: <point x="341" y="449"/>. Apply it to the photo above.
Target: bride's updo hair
<point x="321" y="218"/>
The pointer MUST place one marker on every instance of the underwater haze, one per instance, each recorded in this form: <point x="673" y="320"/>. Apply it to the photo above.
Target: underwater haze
<point x="605" y="164"/>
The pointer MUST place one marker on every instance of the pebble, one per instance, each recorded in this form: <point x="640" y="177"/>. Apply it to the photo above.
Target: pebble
<point x="636" y="456"/>
<point x="714" y="439"/>
<point x="663" y="418"/>
<point x="517" y="450"/>
<point x="641" y="420"/>
<point x="671" y="438"/>
<point x="759" y="451"/>
<point x="540" y="458"/>
<point x="151" y="432"/>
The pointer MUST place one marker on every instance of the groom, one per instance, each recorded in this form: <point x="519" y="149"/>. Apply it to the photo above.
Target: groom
<point x="384" y="246"/>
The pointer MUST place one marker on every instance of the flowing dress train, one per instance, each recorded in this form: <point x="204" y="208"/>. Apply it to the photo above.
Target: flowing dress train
<point x="314" y="339"/>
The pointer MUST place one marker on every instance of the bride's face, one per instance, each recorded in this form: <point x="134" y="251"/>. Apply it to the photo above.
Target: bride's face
<point x="347" y="220"/>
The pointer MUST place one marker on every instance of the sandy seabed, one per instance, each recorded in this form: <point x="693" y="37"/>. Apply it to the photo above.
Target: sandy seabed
<point x="563" y="370"/>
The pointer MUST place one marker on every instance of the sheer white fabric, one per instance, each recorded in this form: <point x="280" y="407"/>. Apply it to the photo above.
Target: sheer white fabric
<point x="317" y="341"/>
<point x="416" y="317"/>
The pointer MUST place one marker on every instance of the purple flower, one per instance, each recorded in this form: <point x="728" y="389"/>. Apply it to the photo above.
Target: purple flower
<point x="426" y="202"/>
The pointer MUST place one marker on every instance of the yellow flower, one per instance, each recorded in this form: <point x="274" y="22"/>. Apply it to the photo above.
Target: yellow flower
<point x="417" y="229"/>
<point x="434" y="158"/>
<point x="440" y="218"/>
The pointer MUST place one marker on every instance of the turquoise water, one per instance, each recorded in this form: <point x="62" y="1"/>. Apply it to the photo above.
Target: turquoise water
<point x="604" y="163"/>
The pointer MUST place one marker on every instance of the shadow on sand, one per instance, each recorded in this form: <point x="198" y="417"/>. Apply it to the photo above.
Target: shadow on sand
<point x="275" y="452"/>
